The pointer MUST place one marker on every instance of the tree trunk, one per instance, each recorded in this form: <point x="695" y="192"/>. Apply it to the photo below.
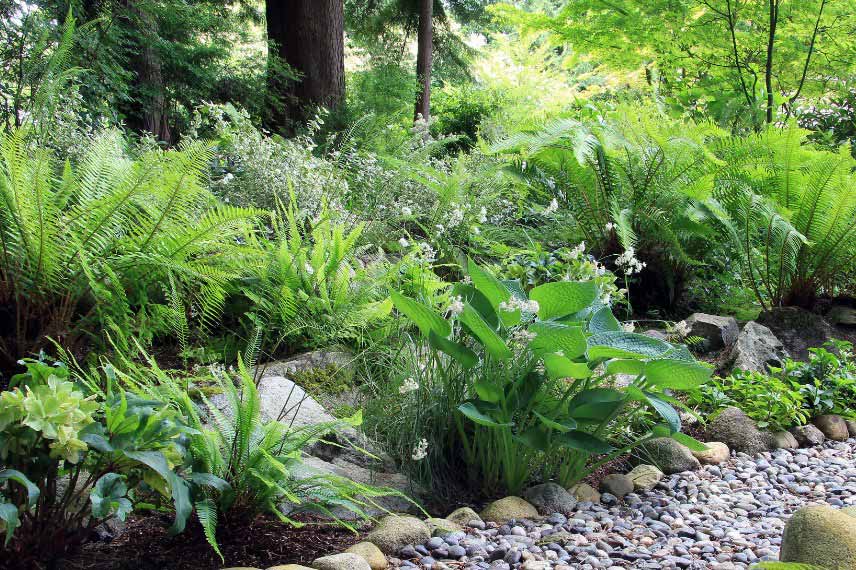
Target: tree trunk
<point x="768" y="69"/>
<point x="424" y="58"/>
<point x="308" y="36"/>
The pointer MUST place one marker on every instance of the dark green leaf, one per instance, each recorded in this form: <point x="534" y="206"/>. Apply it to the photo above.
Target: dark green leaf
<point x="562" y="298"/>
<point x="465" y="357"/>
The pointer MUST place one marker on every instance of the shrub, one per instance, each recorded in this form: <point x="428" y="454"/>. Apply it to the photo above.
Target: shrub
<point x="71" y="460"/>
<point x="526" y="384"/>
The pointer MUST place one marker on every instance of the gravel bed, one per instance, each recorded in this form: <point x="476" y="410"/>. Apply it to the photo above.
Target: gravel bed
<point x="722" y="517"/>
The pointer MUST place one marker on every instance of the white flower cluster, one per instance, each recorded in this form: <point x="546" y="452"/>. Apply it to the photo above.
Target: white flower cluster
<point x="420" y="452"/>
<point x="403" y="242"/>
<point x="516" y="303"/>
<point x="578" y="250"/>
<point x="550" y="209"/>
<point x="456" y="306"/>
<point x="610" y="226"/>
<point x="523" y="336"/>
<point x="628" y="263"/>
<point x="409" y="385"/>
<point x="427" y="252"/>
<point x="629" y="326"/>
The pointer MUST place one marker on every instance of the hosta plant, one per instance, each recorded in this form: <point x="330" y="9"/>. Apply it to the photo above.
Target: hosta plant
<point x="71" y="458"/>
<point x="542" y="382"/>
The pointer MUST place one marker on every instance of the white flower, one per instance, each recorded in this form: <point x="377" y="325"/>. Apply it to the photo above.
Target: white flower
<point x="309" y="269"/>
<point x="610" y="226"/>
<point x="578" y="250"/>
<point x="628" y="262"/>
<point x="409" y="385"/>
<point x="523" y="336"/>
<point x="476" y="231"/>
<point x="456" y="306"/>
<point x="629" y="326"/>
<point x="440" y="228"/>
<point x="554" y="205"/>
<point x="456" y="217"/>
<point x="427" y="252"/>
<point x="406" y="211"/>
<point x="515" y="303"/>
<point x="420" y="452"/>
<point x="483" y="215"/>
<point x="403" y="242"/>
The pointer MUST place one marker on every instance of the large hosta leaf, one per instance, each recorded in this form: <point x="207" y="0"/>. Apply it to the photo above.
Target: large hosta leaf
<point x="625" y="345"/>
<point x="676" y="374"/>
<point x="603" y="321"/>
<point x="422" y="316"/>
<point x="689" y="442"/>
<point x="583" y="441"/>
<point x="480" y="303"/>
<point x="561" y="367"/>
<point x="561" y="425"/>
<point x="563" y="297"/>
<point x="491" y="341"/>
<point x="470" y="410"/>
<point x="465" y="357"/>
<point x="491" y="287"/>
<point x="555" y="337"/>
<point x="666" y="411"/>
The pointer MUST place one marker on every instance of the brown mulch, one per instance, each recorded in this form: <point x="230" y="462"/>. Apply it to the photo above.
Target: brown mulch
<point x="262" y="542"/>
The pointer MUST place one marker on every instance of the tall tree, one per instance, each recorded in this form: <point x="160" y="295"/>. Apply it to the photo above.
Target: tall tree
<point x="309" y="37"/>
<point x="424" y="58"/>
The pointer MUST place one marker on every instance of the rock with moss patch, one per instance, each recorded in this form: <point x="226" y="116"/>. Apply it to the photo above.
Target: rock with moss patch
<point x="463" y="516"/>
<point x="509" y="508"/>
<point x="442" y="527"/>
<point x="550" y="498"/>
<point x="832" y="426"/>
<point x="783" y="440"/>
<point x="716" y="453"/>
<point x="584" y="493"/>
<point x="394" y="532"/>
<point x="807" y="435"/>
<point x="343" y="561"/>
<point x="370" y="553"/>
<point x="738" y="431"/>
<point x="822" y="536"/>
<point x="616" y="484"/>
<point x="716" y="332"/>
<point x="670" y="456"/>
<point x="645" y="477"/>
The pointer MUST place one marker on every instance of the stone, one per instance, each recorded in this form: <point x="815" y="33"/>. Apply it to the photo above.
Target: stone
<point x="394" y="532"/>
<point x="463" y="516"/>
<point x="822" y="536"/>
<point x="841" y="315"/>
<point x="756" y="349"/>
<point x="370" y="553"/>
<point x="851" y="427"/>
<point x="584" y="493"/>
<point x="343" y="561"/>
<point x="645" y="477"/>
<point x="240" y="568"/>
<point x="669" y="455"/>
<point x="290" y="567"/>
<point x="832" y="426"/>
<point x="442" y="527"/>
<point x="797" y="329"/>
<point x="504" y="510"/>
<point x="717" y="332"/>
<point x="716" y="453"/>
<point x="807" y="435"/>
<point x="784" y="440"/>
<point x="737" y="430"/>
<point x="617" y="485"/>
<point x="550" y="498"/>
<point x="849" y="511"/>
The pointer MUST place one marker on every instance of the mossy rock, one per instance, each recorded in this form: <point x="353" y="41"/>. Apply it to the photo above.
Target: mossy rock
<point x="442" y="527"/>
<point x="822" y="536"/>
<point x="463" y="516"/>
<point x="504" y="510"/>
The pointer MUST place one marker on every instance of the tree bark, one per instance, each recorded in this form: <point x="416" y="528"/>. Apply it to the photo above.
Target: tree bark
<point x="768" y="68"/>
<point x="309" y="36"/>
<point x="424" y="58"/>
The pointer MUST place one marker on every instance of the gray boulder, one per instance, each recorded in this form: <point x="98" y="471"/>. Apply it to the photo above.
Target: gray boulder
<point x="784" y="440"/>
<point x="756" y="349"/>
<point x="616" y="484"/>
<point x="584" y="493"/>
<point x="821" y="536"/>
<point x="807" y="435"/>
<point x="645" y="477"/>
<point x="797" y="328"/>
<point x="394" y="532"/>
<point x="550" y="498"/>
<point x="737" y="430"/>
<point x="504" y="510"/>
<point x="463" y="516"/>
<point x="670" y="456"/>
<point x="851" y="427"/>
<point x="832" y="426"/>
<point x="718" y="332"/>
<point x="841" y="315"/>
<point x="344" y="561"/>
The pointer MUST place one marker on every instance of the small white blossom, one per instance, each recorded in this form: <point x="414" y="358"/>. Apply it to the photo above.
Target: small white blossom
<point x="456" y="306"/>
<point x="610" y="226"/>
<point x="420" y="452"/>
<point x="409" y="385"/>
<point x="554" y="205"/>
<point x="515" y="303"/>
<point x="483" y="215"/>
<point x="403" y="242"/>
<point x="406" y="211"/>
<point x="309" y="269"/>
<point x="523" y="336"/>
<point x="578" y="250"/>
<point x="476" y="231"/>
<point x="456" y="217"/>
<point x="629" y="326"/>
<point x="628" y="263"/>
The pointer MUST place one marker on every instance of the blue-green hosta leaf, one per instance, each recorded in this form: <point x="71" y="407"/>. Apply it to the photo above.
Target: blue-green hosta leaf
<point x="603" y="321"/>
<point x="551" y="338"/>
<point x="421" y="315"/>
<point x="465" y="357"/>
<point x="491" y="287"/>
<point x="179" y="488"/>
<point x="470" y="410"/>
<point x="488" y="391"/>
<point x="564" y="425"/>
<point x="480" y="303"/>
<point x="563" y="298"/>
<point x="595" y="396"/>
<point x="534" y="438"/>
<point x="18" y="477"/>
<point x="625" y="345"/>
<point x="583" y="441"/>
<point x="687" y="441"/>
<point x="676" y="374"/>
<point x="108" y="497"/>
<point x="561" y="367"/>
<point x="666" y="411"/>
<point x="491" y="341"/>
<point x="9" y="516"/>
<point x="630" y="366"/>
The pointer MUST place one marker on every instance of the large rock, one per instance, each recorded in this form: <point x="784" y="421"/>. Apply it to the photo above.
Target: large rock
<point x="463" y="516"/>
<point x="808" y="435"/>
<point x="841" y="315"/>
<point x="645" y="477"/>
<point x="716" y="453"/>
<point x="797" y="328"/>
<point x="617" y="484"/>
<point x="290" y="567"/>
<point x="339" y="360"/>
<point x="832" y="426"/>
<point x="550" y="498"/>
<point x="717" y="332"/>
<point x="784" y="440"/>
<point x="394" y="532"/>
<point x="442" y="527"/>
<point x="343" y="561"/>
<point x="821" y="536"/>
<point x="370" y="553"/>
<point x="584" y="493"/>
<point x="737" y="430"/>
<point x="851" y="427"/>
<point x="670" y="456"/>
<point x="756" y="349"/>
<point x="504" y="510"/>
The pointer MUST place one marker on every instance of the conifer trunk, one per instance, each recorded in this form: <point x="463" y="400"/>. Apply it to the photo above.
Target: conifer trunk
<point x="424" y="58"/>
